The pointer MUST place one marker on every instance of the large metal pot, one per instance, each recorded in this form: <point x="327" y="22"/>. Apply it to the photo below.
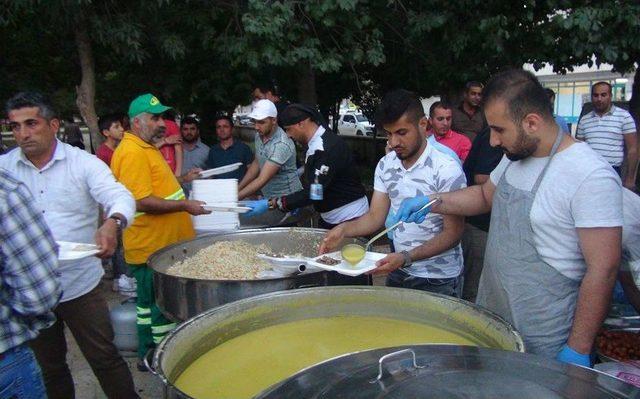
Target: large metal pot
<point x="182" y="346"/>
<point x="447" y="371"/>
<point x="180" y="298"/>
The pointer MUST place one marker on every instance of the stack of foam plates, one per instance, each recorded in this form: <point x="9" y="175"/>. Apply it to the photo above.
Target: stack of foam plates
<point x="214" y="192"/>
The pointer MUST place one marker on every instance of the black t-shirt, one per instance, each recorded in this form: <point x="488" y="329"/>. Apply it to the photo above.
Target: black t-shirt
<point x="482" y="160"/>
<point x="341" y="185"/>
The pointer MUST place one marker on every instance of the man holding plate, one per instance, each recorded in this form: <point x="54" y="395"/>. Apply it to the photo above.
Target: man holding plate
<point x="68" y="185"/>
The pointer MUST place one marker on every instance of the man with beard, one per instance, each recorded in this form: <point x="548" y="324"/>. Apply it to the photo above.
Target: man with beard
<point x="343" y="196"/>
<point x="428" y="255"/>
<point x="611" y="132"/>
<point x="229" y="150"/>
<point x="162" y="216"/>
<point x="68" y="186"/>
<point x="273" y="171"/>
<point x="195" y="152"/>
<point x="468" y="117"/>
<point x="556" y="214"/>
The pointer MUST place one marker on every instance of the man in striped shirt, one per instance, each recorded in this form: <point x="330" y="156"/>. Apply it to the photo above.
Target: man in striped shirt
<point x="611" y="132"/>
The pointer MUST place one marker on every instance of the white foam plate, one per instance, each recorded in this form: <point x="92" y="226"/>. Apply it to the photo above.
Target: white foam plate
<point x="227" y="208"/>
<point x="365" y="265"/>
<point x="285" y="262"/>
<point x="218" y="171"/>
<point x="76" y="250"/>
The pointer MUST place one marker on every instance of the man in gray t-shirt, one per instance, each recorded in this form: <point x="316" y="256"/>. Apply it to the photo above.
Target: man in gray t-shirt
<point x="273" y="171"/>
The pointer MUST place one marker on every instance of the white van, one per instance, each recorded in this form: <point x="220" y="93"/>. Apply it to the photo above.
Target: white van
<point x="354" y="124"/>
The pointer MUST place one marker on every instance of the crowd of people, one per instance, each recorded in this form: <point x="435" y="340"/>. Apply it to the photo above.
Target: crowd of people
<point x="529" y="222"/>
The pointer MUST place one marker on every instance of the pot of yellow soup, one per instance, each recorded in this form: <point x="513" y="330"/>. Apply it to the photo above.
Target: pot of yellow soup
<point x="242" y="348"/>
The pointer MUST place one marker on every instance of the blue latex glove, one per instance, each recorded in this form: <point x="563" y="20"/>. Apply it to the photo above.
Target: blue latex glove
<point x="390" y="221"/>
<point x="568" y="355"/>
<point x="409" y="207"/>
<point x="257" y="207"/>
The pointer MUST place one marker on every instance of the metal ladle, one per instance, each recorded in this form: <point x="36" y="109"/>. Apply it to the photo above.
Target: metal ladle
<point x="359" y="251"/>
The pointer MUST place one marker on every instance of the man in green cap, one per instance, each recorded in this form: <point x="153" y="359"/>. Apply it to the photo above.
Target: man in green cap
<point x="162" y="216"/>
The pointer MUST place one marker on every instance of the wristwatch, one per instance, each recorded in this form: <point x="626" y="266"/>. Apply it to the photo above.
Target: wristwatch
<point x="407" y="259"/>
<point x="118" y="221"/>
<point x="276" y="203"/>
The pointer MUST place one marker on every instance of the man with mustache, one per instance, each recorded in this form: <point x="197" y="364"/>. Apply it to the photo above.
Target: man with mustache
<point x="428" y="254"/>
<point x="468" y="118"/>
<point x="162" y="216"/>
<point x="611" y="132"/>
<point x="68" y="185"/>
<point x="554" y="242"/>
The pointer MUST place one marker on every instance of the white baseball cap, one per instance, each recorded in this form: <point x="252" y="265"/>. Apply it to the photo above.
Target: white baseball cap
<point x="263" y="109"/>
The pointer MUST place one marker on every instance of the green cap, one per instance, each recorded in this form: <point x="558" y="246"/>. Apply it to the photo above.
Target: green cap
<point x="146" y="103"/>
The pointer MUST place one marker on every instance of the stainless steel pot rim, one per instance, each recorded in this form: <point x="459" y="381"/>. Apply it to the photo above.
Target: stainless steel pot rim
<point x="159" y="352"/>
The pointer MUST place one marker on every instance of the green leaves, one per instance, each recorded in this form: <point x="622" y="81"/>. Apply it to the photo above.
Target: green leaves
<point x="204" y="55"/>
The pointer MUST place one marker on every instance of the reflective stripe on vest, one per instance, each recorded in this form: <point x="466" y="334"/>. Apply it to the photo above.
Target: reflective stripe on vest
<point x="178" y="195"/>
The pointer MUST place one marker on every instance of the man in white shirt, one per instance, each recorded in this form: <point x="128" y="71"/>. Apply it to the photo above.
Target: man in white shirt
<point x="428" y="255"/>
<point x="630" y="267"/>
<point x="554" y="241"/>
<point x="68" y="186"/>
<point x="611" y="132"/>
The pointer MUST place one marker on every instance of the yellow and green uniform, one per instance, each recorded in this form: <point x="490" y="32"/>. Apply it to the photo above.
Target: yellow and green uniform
<point x="140" y="167"/>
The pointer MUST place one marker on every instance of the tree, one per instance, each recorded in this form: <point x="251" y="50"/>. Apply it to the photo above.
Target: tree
<point x="202" y="56"/>
<point x="113" y="24"/>
<point x="593" y="32"/>
<point x="311" y="39"/>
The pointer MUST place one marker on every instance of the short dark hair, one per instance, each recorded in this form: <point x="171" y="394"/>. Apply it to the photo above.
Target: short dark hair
<point x="169" y="115"/>
<point x="26" y="99"/>
<point x="473" y="83"/>
<point x="602" y="83"/>
<point x="298" y="112"/>
<point x="397" y="103"/>
<point x="225" y="117"/>
<point x="438" y="104"/>
<point x="550" y="93"/>
<point x="105" y="121"/>
<point x="190" y="120"/>
<point x="521" y="92"/>
<point x="266" y="87"/>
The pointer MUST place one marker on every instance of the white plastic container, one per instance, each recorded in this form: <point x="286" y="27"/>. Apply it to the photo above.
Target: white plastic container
<point x="213" y="192"/>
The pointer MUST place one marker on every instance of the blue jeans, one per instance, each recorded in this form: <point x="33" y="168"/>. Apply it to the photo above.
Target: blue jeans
<point x="20" y="376"/>
<point x="445" y="286"/>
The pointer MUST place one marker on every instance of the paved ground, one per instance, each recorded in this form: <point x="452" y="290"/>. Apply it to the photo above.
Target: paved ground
<point x="87" y="387"/>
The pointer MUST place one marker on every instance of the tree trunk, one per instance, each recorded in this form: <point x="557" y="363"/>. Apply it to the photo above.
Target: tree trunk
<point x="307" y="84"/>
<point x="86" y="91"/>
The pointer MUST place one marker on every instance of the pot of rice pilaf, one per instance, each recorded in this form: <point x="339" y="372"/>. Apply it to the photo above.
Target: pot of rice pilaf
<point x="211" y="270"/>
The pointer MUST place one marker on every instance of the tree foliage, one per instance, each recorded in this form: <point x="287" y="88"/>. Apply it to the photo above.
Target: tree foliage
<point x="203" y="56"/>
